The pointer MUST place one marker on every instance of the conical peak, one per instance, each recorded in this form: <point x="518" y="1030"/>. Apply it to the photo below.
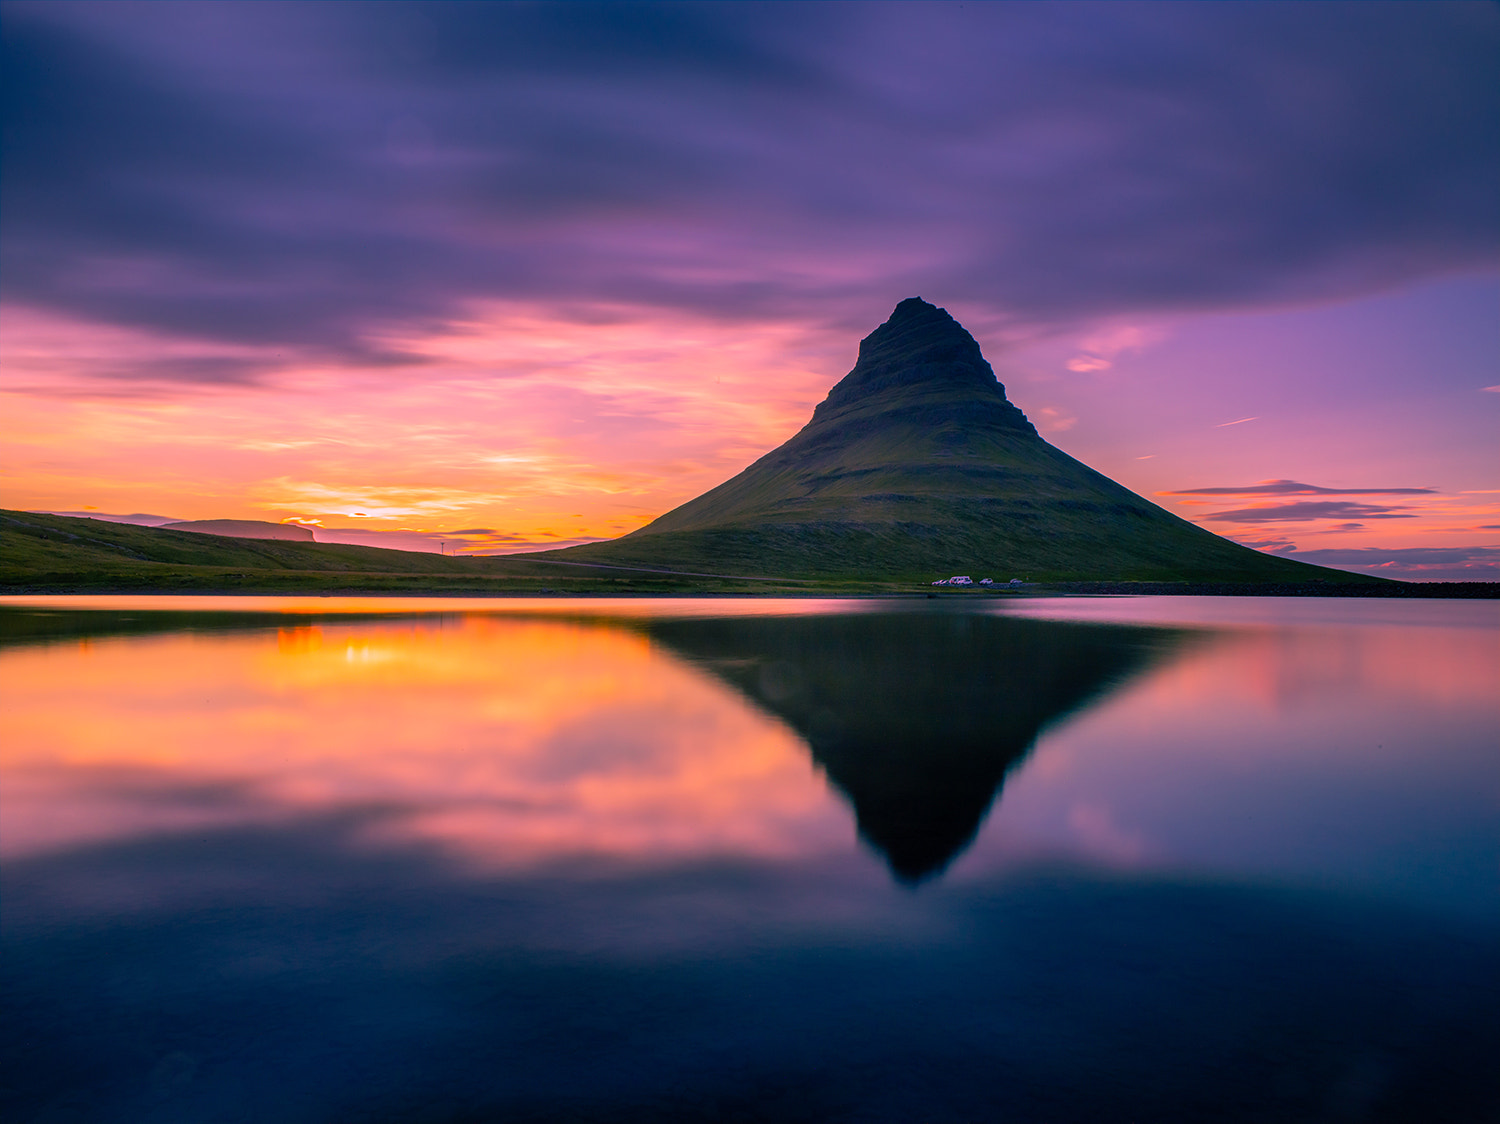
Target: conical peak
<point x="919" y="333"/>
<point x="914" y="315"/>
<point x="920" y="347"/>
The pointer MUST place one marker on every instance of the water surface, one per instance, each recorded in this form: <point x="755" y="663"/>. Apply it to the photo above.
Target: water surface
<point x="974" y="859"/>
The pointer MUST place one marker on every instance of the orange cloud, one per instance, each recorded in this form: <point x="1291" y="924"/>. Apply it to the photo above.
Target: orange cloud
<point x="509" y="415"/>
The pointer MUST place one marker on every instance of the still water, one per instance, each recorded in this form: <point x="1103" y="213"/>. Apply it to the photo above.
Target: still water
<point x="1085" y="859"/>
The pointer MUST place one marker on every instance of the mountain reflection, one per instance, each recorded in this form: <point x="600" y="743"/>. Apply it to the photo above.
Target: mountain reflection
<point x="522" y="736"/>
<point x="916" y="717"/>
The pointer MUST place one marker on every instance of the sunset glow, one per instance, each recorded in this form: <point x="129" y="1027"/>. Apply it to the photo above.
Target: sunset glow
<point x="480" y="278"/>
<point x="521" y="430"/>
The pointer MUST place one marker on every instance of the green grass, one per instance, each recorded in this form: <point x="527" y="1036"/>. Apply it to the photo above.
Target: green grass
<point x="53" y="553"/>
<point x="58" y="554"/>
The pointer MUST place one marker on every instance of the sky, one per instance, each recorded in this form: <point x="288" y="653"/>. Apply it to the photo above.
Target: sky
<point x="493" y="277"/>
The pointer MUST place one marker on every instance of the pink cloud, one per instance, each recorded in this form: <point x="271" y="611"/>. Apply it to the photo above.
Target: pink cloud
<point x="1100" y="349"/>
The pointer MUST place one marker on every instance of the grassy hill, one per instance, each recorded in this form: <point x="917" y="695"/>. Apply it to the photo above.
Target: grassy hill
<point x="916" y="466"/>
<point x="61" y="554"/>
<point x="55" y="553"/>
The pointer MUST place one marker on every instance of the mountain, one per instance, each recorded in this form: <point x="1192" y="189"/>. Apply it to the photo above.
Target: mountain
<point x="243" y="529"/>
<point x="917" y="717"/>
<point x="917" y="466"/>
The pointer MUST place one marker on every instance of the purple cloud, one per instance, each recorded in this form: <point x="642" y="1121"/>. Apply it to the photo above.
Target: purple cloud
<point x="1306" y="512"/>
<point x="302" y="175"/>
<point x="1293" y="488"/>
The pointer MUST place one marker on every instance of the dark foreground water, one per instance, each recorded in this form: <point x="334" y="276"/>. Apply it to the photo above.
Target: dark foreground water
<point x="1075" y="860"/>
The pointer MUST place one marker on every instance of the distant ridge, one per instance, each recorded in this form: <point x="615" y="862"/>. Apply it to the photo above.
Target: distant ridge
<point x="136" y="519"/>
<point x="917" y="466"/>
<point x="244" y="529"/>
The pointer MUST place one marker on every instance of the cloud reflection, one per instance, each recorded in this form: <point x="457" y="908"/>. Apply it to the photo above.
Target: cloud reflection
<point x="506" y="742"/>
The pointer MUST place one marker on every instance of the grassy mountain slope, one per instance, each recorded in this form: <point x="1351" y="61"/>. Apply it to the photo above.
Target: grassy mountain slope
<point x="916" y="466"/>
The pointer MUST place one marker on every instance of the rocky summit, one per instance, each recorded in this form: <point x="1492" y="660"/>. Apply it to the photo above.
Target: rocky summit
<point x="917" y="466"/>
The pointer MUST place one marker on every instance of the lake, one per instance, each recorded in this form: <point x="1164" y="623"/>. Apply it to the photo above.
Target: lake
<point x="964" y="859"/>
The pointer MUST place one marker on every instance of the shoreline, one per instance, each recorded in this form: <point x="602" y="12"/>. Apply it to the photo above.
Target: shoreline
<point x="1403" y="590"/>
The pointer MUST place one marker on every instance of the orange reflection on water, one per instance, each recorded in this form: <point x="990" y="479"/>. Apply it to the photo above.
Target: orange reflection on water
<point x="509" y="741"/>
